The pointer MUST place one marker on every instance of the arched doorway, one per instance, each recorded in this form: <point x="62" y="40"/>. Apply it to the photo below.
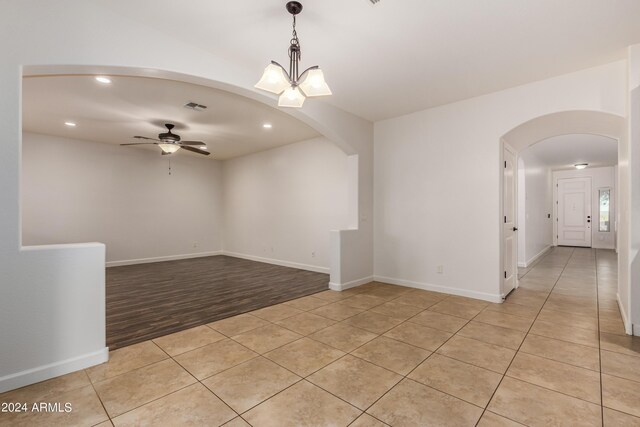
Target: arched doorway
<point x="541" y="128"/>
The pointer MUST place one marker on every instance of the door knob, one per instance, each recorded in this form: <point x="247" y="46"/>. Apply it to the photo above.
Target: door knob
<point x="515" y="228"/>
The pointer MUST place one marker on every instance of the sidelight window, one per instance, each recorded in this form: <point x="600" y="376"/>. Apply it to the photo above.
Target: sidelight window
<point x="604" y="220"/>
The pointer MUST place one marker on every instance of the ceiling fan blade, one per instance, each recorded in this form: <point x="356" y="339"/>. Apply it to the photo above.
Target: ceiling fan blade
<point x="195" y="150"/>
<point x="192" y="143"/>
<point x="141" y="143"/>
<point x="144" y="137"/>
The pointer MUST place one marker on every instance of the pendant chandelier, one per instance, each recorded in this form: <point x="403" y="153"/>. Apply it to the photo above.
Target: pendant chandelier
<point x="293" y="87"/>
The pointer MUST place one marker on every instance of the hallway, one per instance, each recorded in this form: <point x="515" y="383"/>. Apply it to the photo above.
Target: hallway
<point x="380" y="355"/>
<point x="575" y="291"/>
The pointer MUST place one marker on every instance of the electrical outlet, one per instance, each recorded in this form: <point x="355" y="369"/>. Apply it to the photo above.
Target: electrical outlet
<point x="440" y="269"/>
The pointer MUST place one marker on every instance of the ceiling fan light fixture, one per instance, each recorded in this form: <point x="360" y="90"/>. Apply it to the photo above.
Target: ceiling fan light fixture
<point x="273" y="79"/>
<point x="169" y="148"/>
<point x="314" y="83"/>
<point x="581" y="166"/>
<point x="291" y="97"/>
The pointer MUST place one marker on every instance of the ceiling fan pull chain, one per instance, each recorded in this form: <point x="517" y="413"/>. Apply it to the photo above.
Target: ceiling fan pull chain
<point x="169" y="165"/>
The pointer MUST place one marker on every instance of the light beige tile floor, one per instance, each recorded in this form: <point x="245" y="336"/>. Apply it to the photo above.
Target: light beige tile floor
<point x="554" y="353"/>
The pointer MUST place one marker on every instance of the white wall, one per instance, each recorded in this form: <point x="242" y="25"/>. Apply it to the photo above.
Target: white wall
<point x="630" y="297"/>
<point x="79" y="191"/>
<point x="534" y="205"/>
<point x="437" y="179"/>
<point x="600" y="178"/>
<point x="281" y="204"/>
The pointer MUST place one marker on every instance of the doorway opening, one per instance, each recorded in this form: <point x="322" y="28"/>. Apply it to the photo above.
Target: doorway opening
<point x="561" y="204"/>
<point x="534" y="156"/>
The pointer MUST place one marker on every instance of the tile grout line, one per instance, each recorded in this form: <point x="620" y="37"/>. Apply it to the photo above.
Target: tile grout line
<point x="406" y="377"/>
<point x="599" y="345"/>
<point x="446" y="296"/>
<point x="101" y="402"/>
<point x="528" y="331"/>
<point x="350" y="353"/>
<point x="378" y="335"/>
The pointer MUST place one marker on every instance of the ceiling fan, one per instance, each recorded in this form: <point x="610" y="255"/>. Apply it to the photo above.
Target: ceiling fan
<point x="170" y="142"/>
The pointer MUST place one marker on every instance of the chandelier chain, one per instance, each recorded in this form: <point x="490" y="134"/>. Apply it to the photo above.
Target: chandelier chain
<point x="295" y="41"/>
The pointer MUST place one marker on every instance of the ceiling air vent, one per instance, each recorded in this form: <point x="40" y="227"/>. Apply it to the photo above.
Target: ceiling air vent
<point x="195" y="106"/>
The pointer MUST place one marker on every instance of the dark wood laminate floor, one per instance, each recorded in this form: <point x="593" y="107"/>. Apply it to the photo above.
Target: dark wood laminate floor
<point x="146" y="301"/>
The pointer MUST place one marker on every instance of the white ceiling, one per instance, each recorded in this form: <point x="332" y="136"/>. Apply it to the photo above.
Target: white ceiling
<point x="231" y="126"/>
<point x="402" y="56"/>
<point x="562" y="152"/>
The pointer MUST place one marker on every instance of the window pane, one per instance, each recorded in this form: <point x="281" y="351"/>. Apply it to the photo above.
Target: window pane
<point x="604" y="223"/>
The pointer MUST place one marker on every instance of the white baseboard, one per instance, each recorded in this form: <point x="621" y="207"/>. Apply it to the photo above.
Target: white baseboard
<point x="282" y="263"/>
<point x="161" y="258"/>
<point x="349" y="285"/>
<point x="444" y="289"/>
<point x="42" y="373"/>
<point x="534" y="258"/>
<point x="629" y="328"/>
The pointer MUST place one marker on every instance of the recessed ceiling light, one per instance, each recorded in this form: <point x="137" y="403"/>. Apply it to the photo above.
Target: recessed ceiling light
<point x="70" y="124"/>
<point x="581" y="165"/>
<point x="103" y="80"/>
<point x="267" y="125"/>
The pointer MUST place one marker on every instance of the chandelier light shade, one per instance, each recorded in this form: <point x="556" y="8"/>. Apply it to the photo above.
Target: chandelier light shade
<point x="314" y="84"/>
<point x="292" y="86"/>
<point x="291" y="97"/>
<point x="274" y="79"/>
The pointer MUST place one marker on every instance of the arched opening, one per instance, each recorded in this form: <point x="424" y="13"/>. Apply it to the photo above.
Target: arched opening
<point x="63" y="282"/>
<point x="145" y="215"/>
<point x="538" y="136"/>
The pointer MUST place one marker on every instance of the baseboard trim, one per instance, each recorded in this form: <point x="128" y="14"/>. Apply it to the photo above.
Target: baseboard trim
<point x="161" y="259"/>
<point x="352" y="284"/>
<point x="46" y="372"/>
<point x="279" y="262"/>
<point x="628" y="326"/>
<point x="443" y="289"/>
<point x="534" y="258"/>
<point x="273" y="261"/>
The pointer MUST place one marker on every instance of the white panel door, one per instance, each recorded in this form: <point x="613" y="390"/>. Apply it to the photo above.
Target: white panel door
<point x="510" y="246"/>
<point x="574" y="212"/>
